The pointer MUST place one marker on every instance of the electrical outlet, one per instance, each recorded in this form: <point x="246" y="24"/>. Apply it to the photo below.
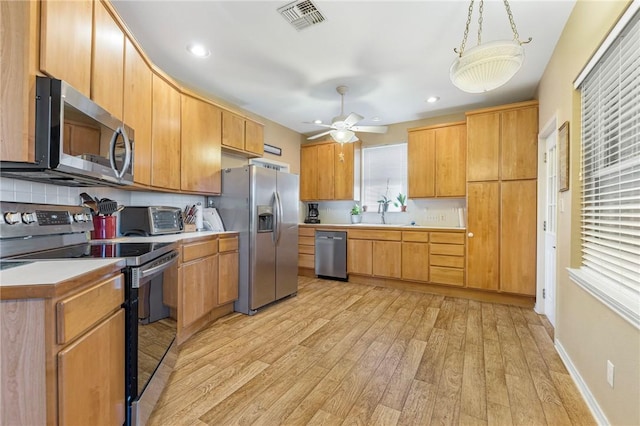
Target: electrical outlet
<point x="610" y="372"/>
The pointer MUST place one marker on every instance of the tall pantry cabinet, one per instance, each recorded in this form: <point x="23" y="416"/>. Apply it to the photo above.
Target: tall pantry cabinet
<point x="502" y="149"/>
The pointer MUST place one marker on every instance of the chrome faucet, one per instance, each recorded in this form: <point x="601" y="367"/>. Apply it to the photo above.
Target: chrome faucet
<point x="382" y="207"/>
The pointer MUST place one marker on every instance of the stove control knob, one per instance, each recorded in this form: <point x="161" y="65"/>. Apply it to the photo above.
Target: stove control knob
<point x="29" y="217"/>
<point x="12" y="218"/>
<point x="81" y="217"/>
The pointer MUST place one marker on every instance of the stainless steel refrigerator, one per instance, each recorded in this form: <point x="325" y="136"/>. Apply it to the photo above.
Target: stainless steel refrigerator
<point x="262" y="205"/>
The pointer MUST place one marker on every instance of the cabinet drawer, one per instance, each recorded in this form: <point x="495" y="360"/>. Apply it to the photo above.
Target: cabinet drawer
<point x="77" y="313"/>
<point x="374" y="234"/>
<point x="443" y="275"/>
<point x="415" y="236"/>
<point x="197" y="250"/>
<point x="306" y="261"/>
<point x="307" y="241"/>
<point x="447" y="249"/>
<point x="449" y="261"/>
<point x="447" y="237"/>
<point x="228" y="244"/>
<point x="306" y="232"/>
<point x="307" y="249"/>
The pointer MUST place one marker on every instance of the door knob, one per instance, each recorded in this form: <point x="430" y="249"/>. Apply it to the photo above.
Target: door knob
<point x="470" y="235"/>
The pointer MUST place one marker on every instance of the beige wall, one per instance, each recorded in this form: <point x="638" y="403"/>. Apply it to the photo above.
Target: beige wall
<point x="589" y="332"/>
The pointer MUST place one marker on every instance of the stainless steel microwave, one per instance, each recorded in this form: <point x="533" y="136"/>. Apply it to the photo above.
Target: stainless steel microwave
<point x="77" y="142"/>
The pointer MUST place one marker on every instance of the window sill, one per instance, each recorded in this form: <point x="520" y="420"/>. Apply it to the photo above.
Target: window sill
<point x="623" y="301"/>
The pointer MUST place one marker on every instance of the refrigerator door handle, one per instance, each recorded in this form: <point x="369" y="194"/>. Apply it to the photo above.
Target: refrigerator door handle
<point x="279" y="214"/>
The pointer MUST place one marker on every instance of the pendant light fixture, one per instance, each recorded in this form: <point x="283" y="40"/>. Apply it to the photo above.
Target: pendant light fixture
<point x="487" y="66"/>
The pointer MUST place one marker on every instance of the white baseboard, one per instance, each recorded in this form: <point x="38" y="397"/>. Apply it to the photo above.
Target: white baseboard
<point x="598" y="414"/>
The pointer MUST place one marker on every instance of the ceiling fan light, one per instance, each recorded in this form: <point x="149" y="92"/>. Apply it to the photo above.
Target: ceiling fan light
<point x="487" y="66"/>
<point x="342" y="136"/>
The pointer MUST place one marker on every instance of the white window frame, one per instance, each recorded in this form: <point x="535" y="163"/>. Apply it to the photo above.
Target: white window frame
<point x="394" y="189"/>
<point x="621" y="294"/>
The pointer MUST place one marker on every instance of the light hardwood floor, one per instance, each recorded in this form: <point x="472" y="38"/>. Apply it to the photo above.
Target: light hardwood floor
<point x="341" y="353"/>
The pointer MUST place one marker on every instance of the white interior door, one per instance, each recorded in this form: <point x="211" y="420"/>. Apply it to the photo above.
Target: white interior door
<point x="550" y="226"/>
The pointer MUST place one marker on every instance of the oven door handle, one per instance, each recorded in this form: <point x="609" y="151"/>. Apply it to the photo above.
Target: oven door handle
<point x="155" y="269"/>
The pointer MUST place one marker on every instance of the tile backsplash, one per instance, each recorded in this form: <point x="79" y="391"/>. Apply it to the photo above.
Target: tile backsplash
<point x="23" y="191"/>
<point x="449" y="212"/>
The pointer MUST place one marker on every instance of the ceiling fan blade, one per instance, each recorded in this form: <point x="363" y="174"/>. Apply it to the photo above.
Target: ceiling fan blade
<point x="328" y="126"/>
<point x="370" y="129"/>
<point x="319" y="135"/>
<point x="352" y="119"/>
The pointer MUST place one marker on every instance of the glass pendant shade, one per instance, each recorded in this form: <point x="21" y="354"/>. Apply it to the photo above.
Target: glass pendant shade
<point x="487" y="66"/>
<point x="342" y="136"/>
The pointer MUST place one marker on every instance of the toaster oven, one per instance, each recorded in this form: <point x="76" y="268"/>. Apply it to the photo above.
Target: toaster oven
<point x="152" y="220"/>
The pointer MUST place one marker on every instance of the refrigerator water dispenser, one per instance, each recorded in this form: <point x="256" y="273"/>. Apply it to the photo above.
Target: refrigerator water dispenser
<point x="265" y="219"/>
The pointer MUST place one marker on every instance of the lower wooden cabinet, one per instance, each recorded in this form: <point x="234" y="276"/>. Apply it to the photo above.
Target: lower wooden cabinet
<point x="501" y="239"/>
<point x="483" y="255"/>
<point x="518" y="236"/>
<point x="63" y="353"/>
<point x="208" y="281"/>
<point x="91" y="376"/>
<point x="415" y="261"/>
<point x="228" y="270"/>
<point x="360" y="257"/>
<point x="387" y="259"/>
<point x="198" y="288"/>
<point x="306" y="248"/>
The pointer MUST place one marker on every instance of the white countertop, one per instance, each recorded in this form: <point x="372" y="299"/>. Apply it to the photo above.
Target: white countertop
<point x="169" y="238"/>
<point x="48" y="272"/>
<point x="52" y="272"/>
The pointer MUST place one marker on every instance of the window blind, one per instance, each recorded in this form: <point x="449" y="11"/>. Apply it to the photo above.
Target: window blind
<point x="382" y="164"/>
<point x="610" y="167"/>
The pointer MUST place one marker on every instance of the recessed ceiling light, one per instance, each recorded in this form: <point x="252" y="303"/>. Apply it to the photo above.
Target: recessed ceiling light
<point x="198" y="50"/>
<point x="375" y="119"/>
<point x="433" y="99"/>
<point x="317" y="121"/>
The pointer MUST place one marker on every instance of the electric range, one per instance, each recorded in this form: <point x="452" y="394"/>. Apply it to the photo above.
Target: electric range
<point x="32" y="232"/>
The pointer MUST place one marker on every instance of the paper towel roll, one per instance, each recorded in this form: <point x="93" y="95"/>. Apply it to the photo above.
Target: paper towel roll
<point x="199" y="218"/>
<point x="461" y="221"/>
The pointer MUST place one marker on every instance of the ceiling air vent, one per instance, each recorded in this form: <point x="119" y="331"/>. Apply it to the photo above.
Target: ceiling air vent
<point x="301" y="14"/>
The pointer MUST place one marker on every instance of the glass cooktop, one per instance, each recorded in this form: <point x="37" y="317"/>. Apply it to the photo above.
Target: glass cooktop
<point x="134" y="253"/>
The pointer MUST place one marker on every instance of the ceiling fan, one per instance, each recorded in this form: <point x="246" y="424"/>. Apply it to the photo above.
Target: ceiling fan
<point x="343" y="127"/>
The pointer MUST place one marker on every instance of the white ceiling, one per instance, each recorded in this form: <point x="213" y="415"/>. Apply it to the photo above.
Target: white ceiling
<point x="393" y="55"/>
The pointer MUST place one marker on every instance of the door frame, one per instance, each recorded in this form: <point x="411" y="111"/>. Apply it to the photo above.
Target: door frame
<point x="550" y="126"/>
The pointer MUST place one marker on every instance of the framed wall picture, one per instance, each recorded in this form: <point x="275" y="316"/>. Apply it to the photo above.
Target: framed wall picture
<point x="563" y="157"/>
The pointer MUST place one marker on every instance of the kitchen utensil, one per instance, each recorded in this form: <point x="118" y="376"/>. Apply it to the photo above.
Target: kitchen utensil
<point x="88" y="201"/>
<point x="107" y="207"/>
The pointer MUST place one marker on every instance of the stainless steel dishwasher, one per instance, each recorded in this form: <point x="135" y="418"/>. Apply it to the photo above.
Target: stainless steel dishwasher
<point x="331" y="254"/>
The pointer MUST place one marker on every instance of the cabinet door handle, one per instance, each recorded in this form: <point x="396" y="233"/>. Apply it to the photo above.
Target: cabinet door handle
<point x="470" y="235"/>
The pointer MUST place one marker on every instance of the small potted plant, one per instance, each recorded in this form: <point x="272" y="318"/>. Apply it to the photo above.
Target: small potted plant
<point x="401" y="201"/>
<point x="356" y="214"/>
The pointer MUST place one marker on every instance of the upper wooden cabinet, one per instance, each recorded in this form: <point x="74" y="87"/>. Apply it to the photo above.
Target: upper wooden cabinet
<point x="254" y="137"/>
<point x="328" y="171"/>
<point x="325" y="171"/>
<point x="437" y="161"/>
<point x="308" y="173"/>
<point x="107" y="72"/>
<point x="19" y="47"/>
<point x="201" y="157"/>
<point x="242" y="135"/>
<point x="502" y="143"/>
<point x="137" y="110"/>
<point x="65" y="42"/>
<point x="165" y="135"/>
